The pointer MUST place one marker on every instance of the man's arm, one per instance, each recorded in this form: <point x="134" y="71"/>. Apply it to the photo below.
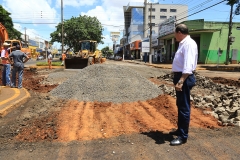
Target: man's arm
<point x="26" y="58"/>
<point x="9" y="58"/>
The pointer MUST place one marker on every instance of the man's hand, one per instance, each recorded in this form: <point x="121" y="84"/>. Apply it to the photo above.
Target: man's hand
<point x="178" y="87"/>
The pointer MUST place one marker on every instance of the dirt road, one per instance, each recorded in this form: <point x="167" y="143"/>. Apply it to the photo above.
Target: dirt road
<point x="49" y="128"/>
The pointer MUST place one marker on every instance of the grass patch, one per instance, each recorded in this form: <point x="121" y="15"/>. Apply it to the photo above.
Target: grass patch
<point x="46" y="64"/>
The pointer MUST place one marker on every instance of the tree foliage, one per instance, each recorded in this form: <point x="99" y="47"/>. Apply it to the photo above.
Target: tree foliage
<point x="6" y="20"/>
<point x="106" y="51"/>
<point x="76" y="29"/>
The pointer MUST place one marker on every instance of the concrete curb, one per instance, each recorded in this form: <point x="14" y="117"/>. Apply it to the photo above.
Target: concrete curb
<point x="15" y="104"/>
<point x="45" y="67"/>
<point x="211" y="68"/>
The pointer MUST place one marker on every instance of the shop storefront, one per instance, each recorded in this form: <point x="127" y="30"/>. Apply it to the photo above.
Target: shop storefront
<point x="210" y="38"/>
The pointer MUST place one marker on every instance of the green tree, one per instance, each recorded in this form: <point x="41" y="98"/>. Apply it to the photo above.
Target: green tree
<point x="106" y="51"/>
<point x="76" y="29"/>
<point x="6" y="20"/>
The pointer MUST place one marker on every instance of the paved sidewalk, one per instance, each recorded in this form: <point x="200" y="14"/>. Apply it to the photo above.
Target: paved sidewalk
<point x="221" y="67"/>
<point x="11" y="98"/>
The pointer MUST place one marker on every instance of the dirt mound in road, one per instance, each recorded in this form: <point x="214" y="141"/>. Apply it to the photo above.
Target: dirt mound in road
<point x="94" y="120"/>
<point x="32" y="81"/>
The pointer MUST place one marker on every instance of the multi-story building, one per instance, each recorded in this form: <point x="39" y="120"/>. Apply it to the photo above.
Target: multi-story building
<point x="139" y="16"/>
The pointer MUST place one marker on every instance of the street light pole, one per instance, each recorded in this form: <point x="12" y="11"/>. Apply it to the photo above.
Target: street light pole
<point x="62" y="23"/>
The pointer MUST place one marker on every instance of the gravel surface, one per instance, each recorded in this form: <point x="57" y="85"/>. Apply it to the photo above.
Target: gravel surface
<point x="112" y="83"/>
<point x="59" y="76"/>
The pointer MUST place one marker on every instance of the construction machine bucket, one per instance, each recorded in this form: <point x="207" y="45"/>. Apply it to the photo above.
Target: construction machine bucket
<point x="76" y="63"/>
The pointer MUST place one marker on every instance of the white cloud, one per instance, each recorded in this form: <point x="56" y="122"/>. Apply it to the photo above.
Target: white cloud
<point x="31" y="11"/>
<point x="111" y="15"/>
<point x="32" y="33"/>
<point x="75" y="3"/>
<point x="109" y="12"/>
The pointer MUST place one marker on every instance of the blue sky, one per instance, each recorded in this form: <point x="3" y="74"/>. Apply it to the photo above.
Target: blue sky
<point x="29" y="13"/>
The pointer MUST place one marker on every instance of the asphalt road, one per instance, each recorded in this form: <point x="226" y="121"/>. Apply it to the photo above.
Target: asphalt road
<point x="220" y="144"/>
<point x="33" y="62"/>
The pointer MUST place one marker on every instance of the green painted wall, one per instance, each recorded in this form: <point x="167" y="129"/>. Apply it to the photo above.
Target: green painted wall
<point x="210" y="42"/>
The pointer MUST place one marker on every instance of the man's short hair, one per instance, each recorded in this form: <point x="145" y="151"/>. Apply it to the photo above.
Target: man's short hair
<point x="18" y="47"/>
<point x="182" y="28"/>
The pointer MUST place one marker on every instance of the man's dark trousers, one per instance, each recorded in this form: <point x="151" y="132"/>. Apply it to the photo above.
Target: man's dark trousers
<point x="183" y="104"/>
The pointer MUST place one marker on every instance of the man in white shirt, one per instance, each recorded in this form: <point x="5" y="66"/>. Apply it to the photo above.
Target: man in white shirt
<point x="184" y="64"/>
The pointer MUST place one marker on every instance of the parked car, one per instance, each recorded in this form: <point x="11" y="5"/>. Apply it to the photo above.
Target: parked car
<point x="118" y="58"/>
<point x="40" y="58"/>
<point x="111" y="57"/>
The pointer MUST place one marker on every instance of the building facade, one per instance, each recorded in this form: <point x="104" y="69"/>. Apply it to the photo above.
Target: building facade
<point x="137" y="18"/>
<point x="211" y="37"/>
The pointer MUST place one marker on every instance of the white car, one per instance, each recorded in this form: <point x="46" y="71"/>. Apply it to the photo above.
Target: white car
<point x="40" y="58"/>
<point x="118" y="58"/>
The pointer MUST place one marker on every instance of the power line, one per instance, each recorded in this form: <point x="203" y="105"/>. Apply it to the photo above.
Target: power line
<point x="201" y="10"/>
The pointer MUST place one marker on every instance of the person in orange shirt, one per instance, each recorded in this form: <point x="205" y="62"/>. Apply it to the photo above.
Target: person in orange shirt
<point x="6" y="71"/>
<point x="63" y="59"/>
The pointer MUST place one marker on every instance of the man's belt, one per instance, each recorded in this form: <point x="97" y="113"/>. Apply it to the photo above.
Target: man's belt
<point x="180" y="73"/>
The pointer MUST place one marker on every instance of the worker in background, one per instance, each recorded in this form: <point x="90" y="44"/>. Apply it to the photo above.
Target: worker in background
<point x="6" y="70"/>
<point x="50" y="60"/>
<point x="91" y="59"/>
<point x="19" y="58"/>
<point x="63" y="59"/>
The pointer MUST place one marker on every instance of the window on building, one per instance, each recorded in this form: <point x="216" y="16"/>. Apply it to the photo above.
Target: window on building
<point x="153" y="9"/>
<point x="163" y="17"/>
<point x="153" y="17"/>
<point x="153" y="24"/>
<point x="163" y="10"/>
<point x="173" y="10"/>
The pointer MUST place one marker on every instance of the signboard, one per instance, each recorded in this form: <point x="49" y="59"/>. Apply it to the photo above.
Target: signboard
<point x="145" y="46"/>
<point x="115" y="36"/>
<point x="154" y="41"/>
<point x="167" y="26"/>
<point x="46" y="44"/>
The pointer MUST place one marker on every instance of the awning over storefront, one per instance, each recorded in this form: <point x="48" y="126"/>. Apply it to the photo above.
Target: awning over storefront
<point x="192" y="32"/>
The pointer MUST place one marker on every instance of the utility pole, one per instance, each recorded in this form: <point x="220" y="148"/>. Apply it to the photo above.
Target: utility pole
<point x="62" y="24"/>
<point x="145" y="24"/>
<point x="229" y="34"/>
<point x="150" y="36"/>
<point x="123" y="43"/>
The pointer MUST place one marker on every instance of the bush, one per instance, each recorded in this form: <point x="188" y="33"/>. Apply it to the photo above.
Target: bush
<point x="46" y="64"/>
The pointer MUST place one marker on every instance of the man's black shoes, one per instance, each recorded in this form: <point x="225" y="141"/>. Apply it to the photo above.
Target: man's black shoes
<point x="178" y="141"/>
<point x="176" y="133"/>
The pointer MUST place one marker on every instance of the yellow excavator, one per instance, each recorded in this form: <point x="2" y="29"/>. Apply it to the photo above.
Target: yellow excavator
<point x="87" y="55"/>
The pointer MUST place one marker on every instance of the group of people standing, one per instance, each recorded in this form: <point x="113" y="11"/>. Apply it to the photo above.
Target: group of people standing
<point x="17" y="58"/>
